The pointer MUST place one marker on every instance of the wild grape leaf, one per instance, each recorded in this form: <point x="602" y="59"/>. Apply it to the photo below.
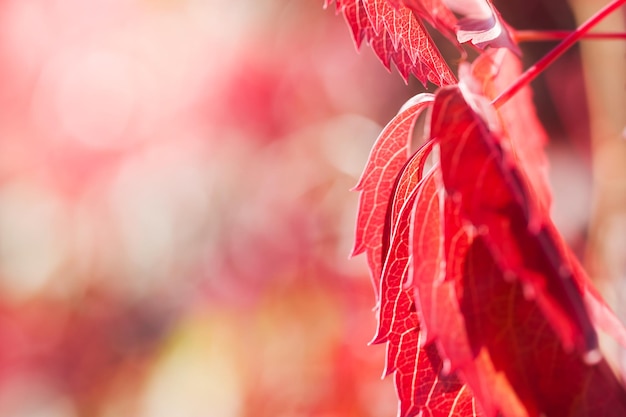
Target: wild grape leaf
<point x="395" y="30"/>
<point x="440" y="242"/>
<point x="522" y="300"/>
<point x="427" y="252"/>
<point x="396" y="35"/>
<point x="435" y="12"/>
<point x="421" y="385"/>
<point x="437" y="246"/>
<point x="548" y="379"/>
<point x="497" y="203"/>
<point x="495" y="70"/>
<point x="443" y="362"/>
<point x="395" y="302"/>
<point x="423" y="389"/>
<point x="389" y="153"/>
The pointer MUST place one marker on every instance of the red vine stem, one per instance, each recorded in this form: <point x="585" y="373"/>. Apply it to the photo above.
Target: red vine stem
<point x="552" y="35"/>
<point x="567" y="43"/>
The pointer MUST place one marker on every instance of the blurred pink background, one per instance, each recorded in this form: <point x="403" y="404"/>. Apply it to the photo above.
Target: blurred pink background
<point x="175" y="220"/>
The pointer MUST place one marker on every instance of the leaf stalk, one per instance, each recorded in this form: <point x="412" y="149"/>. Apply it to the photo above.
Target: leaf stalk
<point x="532" y="72"/>
<point x="555" y="35"/>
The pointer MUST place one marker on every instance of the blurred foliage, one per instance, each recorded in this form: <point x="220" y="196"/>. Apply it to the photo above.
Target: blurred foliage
<point x="174" y="210"/>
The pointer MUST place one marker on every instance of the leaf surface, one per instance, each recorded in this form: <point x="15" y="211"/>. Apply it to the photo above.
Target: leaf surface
<point x="496" y="202"/>
<point x="522" y="301"/>
<point x="548" y="380"/>
<point x="434" y="12"/>
<point x="421" y="384"/>
<point x="396" y="302"/>
<point x="396" y="35"/>
<point x="396" y="32"/>
<point x="494" y="71"/>
<point x="389" y="153"/>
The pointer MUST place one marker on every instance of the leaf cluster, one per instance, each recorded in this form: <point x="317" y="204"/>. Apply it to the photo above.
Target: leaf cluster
<point x="484" y="309"/>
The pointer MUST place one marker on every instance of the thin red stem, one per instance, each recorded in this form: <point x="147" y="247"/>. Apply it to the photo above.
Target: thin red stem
<point x="552" y="35"/>
<point x="567" y="43"/>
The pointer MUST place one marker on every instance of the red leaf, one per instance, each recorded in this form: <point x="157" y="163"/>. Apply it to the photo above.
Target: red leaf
<point x="388" y="155"/>
<point x="420" y="382"/>
<point x="521" y="331"/>
<point x="479" y="300"/>
<point x="396" y="32"/>
<point x="397" y="36"/>
<point x="496" y="202"/>
<point x="435" y="13"/>
<point x="422" y="388"/>
<point x="547" y="379"/>
<point x="436" y="233"/>
<point x="435" y="260"/>
<point x="434" y="279"/>
<point x="357" y="19"/>
<point x="495" y="70"/>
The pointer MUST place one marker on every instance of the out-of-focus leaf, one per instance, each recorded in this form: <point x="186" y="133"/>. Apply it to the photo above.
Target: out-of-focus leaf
<point x="481" y="24"/>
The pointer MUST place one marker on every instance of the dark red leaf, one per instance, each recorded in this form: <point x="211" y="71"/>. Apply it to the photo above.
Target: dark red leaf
<point x="479" y="296"/>
<point x="481" y="24"/>
<point x="496" y="202"/>
<point x="495" y="70"/>
<point x="484" y="309"/>
<point x="522" y="298"/>
<point x="523" y="346"/>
